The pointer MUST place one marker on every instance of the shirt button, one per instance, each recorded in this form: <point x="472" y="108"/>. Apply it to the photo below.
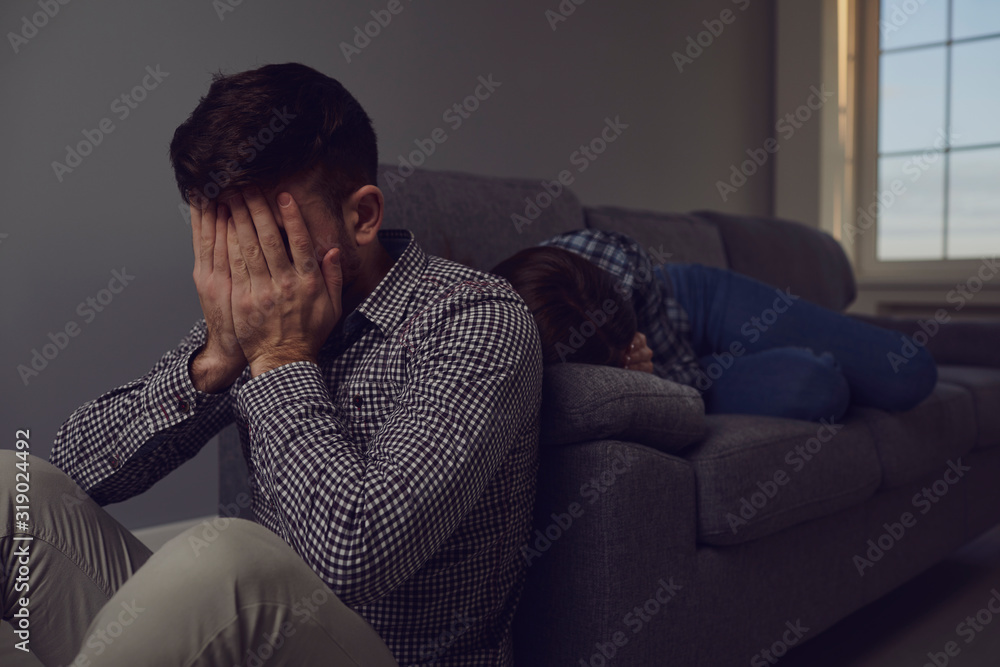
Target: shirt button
<point x="115" y="463"/>
<point x="357" y="401"/>
<point x="183" y="406"/>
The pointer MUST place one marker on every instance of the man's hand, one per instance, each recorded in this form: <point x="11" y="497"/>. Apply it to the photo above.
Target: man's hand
<point x="221" y="359"/>
<point x="283" y="307"/>
<point x="639" y="357"/>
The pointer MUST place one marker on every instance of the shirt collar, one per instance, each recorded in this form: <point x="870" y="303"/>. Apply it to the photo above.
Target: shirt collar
<point x="388" y="303"/>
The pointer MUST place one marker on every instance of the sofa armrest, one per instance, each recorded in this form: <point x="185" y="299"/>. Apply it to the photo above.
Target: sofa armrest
<point x="952" y="343"/>
<point x="612" y="519"/>
<point x="585" y="402"/>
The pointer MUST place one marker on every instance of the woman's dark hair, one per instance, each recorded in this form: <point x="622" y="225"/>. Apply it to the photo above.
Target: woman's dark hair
<point x="260" y="126"/>
<point x="580" y="315"/>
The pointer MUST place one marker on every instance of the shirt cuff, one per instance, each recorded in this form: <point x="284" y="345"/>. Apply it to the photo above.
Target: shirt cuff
<point x="298" y="382"/>
<point x="171" y="397"/>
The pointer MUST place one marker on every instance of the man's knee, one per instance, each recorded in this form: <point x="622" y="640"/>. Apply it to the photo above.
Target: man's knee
<point x="225" y="555"/>
<point x="49" y="484"/>
<point x="225" y="543"/>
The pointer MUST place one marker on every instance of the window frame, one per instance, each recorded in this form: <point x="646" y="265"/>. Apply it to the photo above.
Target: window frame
<point x="870" y="270"/>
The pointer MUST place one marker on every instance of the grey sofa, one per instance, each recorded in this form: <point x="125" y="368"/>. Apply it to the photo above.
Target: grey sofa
<point x="665" y="536"/>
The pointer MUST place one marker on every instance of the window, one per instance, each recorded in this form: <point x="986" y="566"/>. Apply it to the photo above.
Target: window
<point x="937" y="158"/>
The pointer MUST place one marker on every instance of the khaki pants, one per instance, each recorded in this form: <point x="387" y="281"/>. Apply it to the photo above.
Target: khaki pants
<point x="235" y="594"/>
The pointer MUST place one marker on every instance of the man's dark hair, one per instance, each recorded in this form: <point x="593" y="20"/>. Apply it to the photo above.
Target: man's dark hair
<point x="260" y="126"/>
<point x="564" y="290"/>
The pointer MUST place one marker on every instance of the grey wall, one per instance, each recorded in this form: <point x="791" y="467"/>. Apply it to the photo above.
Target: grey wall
<point x="119" y="207"/>
<point x="799" y="67"/>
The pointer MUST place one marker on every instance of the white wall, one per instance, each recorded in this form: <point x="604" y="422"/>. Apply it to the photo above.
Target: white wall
<point x="119" y="207"/>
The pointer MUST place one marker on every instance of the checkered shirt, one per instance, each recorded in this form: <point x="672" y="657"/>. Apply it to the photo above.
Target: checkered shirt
<point x="401" y="467"/>
<point x="659" y="315"/>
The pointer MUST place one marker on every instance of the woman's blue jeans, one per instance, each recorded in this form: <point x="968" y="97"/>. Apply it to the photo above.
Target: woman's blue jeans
<point x="767" y="351"/>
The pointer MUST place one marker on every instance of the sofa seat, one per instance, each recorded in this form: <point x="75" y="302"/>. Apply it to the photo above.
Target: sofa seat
<point x="984" y="385"/>
<point x="758" y="475"/>
<point x="914" y="444"/>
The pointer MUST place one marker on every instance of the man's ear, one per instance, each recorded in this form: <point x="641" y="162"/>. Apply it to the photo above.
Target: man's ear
<point x="368" y="203"/>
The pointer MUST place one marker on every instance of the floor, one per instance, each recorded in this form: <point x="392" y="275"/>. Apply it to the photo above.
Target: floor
<point x="899" y="630"/>
<point x="921" y="617"/>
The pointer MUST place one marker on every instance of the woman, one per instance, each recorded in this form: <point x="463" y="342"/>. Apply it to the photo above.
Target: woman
<point x="748" y="347"/>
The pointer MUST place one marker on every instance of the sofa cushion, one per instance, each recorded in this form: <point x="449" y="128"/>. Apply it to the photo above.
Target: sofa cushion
<point x="673" y="236"/>
<point x="582" y="402"/>
<point x="920" y="441"/>
<point x="758" y="475"/>
<point x="984" y="385"/>
<point x="468" y="218"/>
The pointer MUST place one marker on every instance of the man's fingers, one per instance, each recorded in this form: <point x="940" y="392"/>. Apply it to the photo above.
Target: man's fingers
<point x="221" y="263"/>
<point x="333" y="276"/>
<point x="202" y="226"/>
<point x="268" y="234"/>
<point x="249" y="244"/>
<point x="299" y="241"/>
<point x="237" y="266"/>
<point x="196" y="232"/>
<point x="208" y="235"/>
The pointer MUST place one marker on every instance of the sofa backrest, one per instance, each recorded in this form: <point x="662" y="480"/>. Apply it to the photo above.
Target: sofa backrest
<point x="469" y="219"/>
<point x="681" y="238"/>
<point x="784" y="253"/>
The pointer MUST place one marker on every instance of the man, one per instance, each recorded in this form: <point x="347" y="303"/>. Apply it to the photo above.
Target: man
<point x="387" y="402"/>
